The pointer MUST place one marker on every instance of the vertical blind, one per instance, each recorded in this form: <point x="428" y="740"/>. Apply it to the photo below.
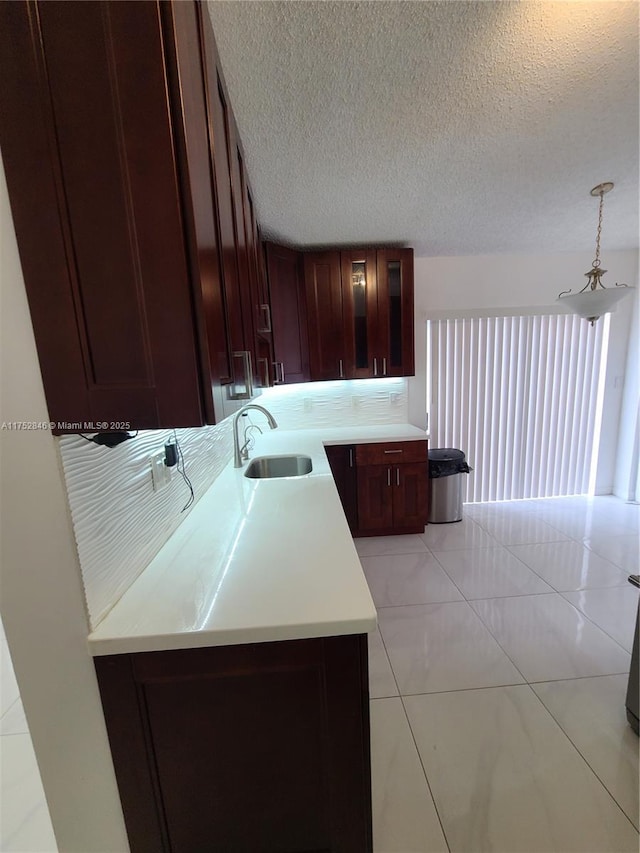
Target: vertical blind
<point x="520" y="396"/>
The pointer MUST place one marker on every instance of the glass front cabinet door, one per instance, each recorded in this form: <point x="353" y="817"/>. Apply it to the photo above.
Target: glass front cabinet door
<point x="377" y="292"/>
<point x="394" y="280"/>
<point x="360" y="312"/>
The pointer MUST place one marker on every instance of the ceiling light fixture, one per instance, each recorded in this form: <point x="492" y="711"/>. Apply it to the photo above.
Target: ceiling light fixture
<point x="595" y="299"/>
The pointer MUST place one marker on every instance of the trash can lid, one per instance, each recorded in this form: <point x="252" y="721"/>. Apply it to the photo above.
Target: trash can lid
<point x="444" y="461"/>
<point x="446" y="454"/>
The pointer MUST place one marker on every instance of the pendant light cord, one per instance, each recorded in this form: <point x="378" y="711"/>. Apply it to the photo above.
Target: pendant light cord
<point x="596" y="262"/>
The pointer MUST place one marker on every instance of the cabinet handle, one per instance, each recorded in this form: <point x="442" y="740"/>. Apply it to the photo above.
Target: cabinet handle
<point x="247" y="394"/>
<point x="267" y="317"/>
<point x="397" y="476"/>
<point x="249" y="373"/>
<point x="384" y="366"/>
<point x="388" y="476"/>
<point x="265" y="361"/>
<point x="350" y="458"/>
<point x="279" y="368"/>
<point x="393" y="451"/>
<point x="341" y="369"/>
<point x="375" y="366"/>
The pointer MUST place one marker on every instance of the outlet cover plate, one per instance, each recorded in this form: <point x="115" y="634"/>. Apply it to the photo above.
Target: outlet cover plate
<point x="160" y="474"/>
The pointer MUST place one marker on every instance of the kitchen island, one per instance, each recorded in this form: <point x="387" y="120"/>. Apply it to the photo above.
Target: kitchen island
<point x="233" y="672"/>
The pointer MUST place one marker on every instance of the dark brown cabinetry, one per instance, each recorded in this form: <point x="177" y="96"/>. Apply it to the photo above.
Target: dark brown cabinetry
<point x="393" y="487"/>
<point x="242" y="748"/>
<point x="288" y="314"/>
<point x="342" y="461"/>
<point x="395" y="326"/>
<point x="383" y="487"/>
<point x="323" y="290"/>
<point x="129" y="201"/>
<point x="360" y="313"/>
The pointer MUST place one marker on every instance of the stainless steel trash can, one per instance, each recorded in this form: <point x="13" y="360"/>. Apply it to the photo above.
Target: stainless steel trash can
<point x="447" y="466"/>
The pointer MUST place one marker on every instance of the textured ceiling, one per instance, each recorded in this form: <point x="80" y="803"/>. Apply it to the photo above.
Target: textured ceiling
<point x="457" y="128"/>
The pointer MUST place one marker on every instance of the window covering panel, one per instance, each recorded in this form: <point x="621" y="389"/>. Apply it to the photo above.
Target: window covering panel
<point x="519" y="395"/>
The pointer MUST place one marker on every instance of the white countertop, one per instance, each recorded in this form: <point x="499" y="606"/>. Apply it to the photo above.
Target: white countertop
<point x="256" y="560"/>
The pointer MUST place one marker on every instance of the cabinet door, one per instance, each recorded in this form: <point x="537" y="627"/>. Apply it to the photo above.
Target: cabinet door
<point x="360" y="309"/>
<point x="188" y="94"/>
<point x="288" y="314"/>
<point x="261" y="747"/>
<point x="342" y="462"/>
<point x="395" y="312"/>
<point x="223" y="153"/>
<point x="410" y="484"/>
<point x="325" y="318"/>
<point x="375" y="497"/>
<point x="247" y="267"/>
<point x="88" y="147"/>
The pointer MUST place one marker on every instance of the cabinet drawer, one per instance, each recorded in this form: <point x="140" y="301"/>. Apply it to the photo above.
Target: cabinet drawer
<point x="384" y="453"/>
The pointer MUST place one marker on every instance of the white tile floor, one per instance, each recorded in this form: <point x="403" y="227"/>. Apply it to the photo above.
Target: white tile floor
<point x="498" y="679"/>
<point x="25" y="826"/>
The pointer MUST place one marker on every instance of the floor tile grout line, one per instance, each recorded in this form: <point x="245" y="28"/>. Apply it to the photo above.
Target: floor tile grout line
<point x="424" y="771"/>
<point x="577" y="749"/>
<point x="510" y="595"/>
<point x="449" y="576"/>
<point x="10" y="707"/>
<point x="533" y="544"/>
<point x="595" y="624"/>
<point x="422" y="603"/>
<point x="510" y="684"/>
<point x="470" y="689"/>
<point x="517" y="669"/>
<point x="384" y="645"/>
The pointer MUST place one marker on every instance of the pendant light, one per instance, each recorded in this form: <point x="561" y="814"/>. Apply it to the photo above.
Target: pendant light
<point x="595" y="299"/>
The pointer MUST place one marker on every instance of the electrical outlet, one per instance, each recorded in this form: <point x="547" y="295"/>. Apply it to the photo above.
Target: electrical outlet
<point x="160" y="474"/>
<point x="308" y="404"/>
<point x="394" y="398"/>
<point x="355" y="402"/>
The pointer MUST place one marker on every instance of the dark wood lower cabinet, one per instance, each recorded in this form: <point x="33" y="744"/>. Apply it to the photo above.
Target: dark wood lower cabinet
<point x="260" y="747"/>
<point x="342" y="461"/>
<point x="383" y="486"/>
<point x="392" y="498"/>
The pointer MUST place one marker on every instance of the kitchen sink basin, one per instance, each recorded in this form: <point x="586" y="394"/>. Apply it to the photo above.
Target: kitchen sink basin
<point x="268" y="467"/>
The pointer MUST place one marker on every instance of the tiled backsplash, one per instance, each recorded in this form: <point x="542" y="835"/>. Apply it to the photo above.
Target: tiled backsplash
<point x="120" y="523"/>
<point x="332" y="404"/>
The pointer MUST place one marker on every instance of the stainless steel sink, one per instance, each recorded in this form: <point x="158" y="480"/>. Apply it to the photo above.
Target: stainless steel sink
<point x="268" y="467"/>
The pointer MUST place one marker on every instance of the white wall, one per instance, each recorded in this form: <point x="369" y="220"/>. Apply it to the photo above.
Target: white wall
<point x="627" y="475"/>
<point x="41" y="597"/>
<point x="520" y="282"/>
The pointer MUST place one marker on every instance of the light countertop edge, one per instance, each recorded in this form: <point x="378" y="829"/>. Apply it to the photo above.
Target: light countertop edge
<point x="255" y="560"/>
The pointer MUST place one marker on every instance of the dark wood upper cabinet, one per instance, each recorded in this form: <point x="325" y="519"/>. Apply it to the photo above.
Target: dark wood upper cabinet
<point x="188" y="90"/>
<point x="233" y="246"/>
<point x="288" y="314"/>
<point x="323" y="289"/>
<point x="394" y="280"/>
<point x="360" y="308"/>
<point x="129" y="199"/>
<point x="360" y="313"/>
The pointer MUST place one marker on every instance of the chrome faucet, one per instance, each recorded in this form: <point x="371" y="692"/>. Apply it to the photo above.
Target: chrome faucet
<point x="241" y="454"/>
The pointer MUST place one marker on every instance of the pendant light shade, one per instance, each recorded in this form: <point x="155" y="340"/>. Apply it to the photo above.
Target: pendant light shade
<point x="595" y="299"/>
